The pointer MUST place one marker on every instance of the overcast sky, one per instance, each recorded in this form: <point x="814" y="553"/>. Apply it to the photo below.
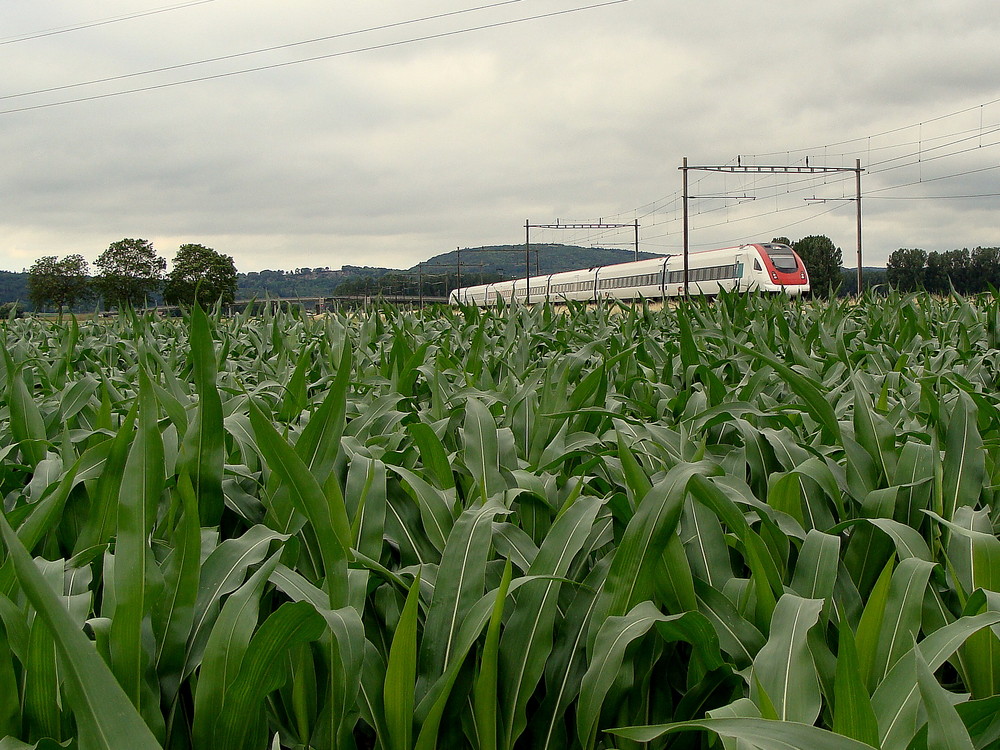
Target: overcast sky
<point x="394" y="146"/>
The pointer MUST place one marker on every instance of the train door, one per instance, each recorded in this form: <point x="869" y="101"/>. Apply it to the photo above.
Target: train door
<point x="738" y="274"/>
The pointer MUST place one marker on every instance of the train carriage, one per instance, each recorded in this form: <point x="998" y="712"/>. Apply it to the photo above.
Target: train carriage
<point x="765" y="267"/>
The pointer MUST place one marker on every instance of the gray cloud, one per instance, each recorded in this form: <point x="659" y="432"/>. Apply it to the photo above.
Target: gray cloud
<point x="386" y="157"/>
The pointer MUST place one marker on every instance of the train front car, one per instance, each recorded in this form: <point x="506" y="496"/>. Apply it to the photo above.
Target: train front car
<point x="778" y="268"/>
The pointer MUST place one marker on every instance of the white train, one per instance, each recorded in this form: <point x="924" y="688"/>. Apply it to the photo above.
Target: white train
<point x="766" y="267"/>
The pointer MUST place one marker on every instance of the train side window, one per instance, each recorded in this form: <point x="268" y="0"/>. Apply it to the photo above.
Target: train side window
<point x="756" y="264"/>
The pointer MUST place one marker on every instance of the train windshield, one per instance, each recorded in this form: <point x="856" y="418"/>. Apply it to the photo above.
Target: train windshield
<point x="782" y="257"/>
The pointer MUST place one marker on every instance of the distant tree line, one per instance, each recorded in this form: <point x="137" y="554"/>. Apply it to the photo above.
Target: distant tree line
<point x="412" y="284"/>
<point x="130" y="273"/>
<point x="965" y="271"/>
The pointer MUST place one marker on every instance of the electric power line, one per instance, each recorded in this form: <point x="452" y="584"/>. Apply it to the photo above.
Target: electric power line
<point x="258" y="51"/>
<point x="343" y="53"/>
<point x="103" y="22"/>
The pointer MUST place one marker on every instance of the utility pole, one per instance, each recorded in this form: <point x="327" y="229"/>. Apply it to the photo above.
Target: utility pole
<point x="600" y="224"/>
<point x="527" y="262"/>
<point x="857" y="182"/>
<point x="741" y="169"/>
<point x="684" y="183"/>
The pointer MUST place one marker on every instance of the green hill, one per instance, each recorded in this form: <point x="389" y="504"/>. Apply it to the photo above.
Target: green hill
<point x="508" y="260"/>
<point x="13" y="287"/>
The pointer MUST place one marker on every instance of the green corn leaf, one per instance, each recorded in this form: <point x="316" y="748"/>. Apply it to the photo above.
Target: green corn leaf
<point x="896" y="701"/>
<point x="784" y="666"/>
<point x="705" y="545"/>
<point x="817" y="566"/>
<point x="365" y="491"/>
<point x="737" y="635"/>
<point x="972" y="549"/>
<point x="673" y="583"/>
<point x="873" y="432"/>
<point x="293" y="402"/>
<point x="636" y="481"/>
<point x="964" y="459"/>
<point x="915" y="478"/>
<point x="852" y="708"/>
<point x="485" y="690"/>
<point x="105" y="716"/>
<point x="41" y="519"/>
<point x="223" y="571"/>
<point x="760" y="733"/>
<point x="174" y="613"/>
<point x="400" y="675"/>
<point x="42" y="691"/>
<point x="329" y="519"/>
<point x="319" y="443"/>
<point x="870" y="625"/>
<point x="528" y="635"/>
<point x="980" y="654"/>
<point x="142" y="483"/>
<point x="460" y="583"/>
<point x="765" y="576"/>
<point x="908" y="541"/>
<point x="227" y="644"/>
<point x="982" y="720"/>
<point x="202" y="451"/>
<point x="102" y="521"/>
<point x="901" y="620"/>
<point x="370" y="705"/>
<point x="568" y="663"/>
<point x="815" y="401"/>
<point x="345" y="649"/>
<point x="655" y="521"/>
<point x="26" y="424"/>
<point x="240" y="722"/>
<point x="430" y="709"/>
<point x="945" y="730"/>
<point x="434" y="506"/>
<point x="609" y="652"/>
<point x="432" y="454"/>
<point x="10" y="713"/>
<point x="482" y="452"/>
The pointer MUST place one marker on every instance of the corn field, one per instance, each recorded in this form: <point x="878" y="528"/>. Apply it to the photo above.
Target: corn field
<point x="754" y="522"/>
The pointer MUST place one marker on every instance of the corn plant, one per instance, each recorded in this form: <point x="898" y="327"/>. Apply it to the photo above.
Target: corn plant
<point x="764" y="521"/>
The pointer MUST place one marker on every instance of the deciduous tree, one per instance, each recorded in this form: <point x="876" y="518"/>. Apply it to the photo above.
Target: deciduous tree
<point x="59" y="282"/>
<point x="201" y="272"/>
<point x="823" y="261"/>
<point x="985" y="268"/>
<point x="904" y="270"/>
<point x="130" y="270"/>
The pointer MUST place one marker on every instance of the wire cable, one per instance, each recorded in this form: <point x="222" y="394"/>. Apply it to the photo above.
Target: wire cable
<point x="104" y="22"/>
<point x="259" y="51"/>
<point x="343" y="53"/>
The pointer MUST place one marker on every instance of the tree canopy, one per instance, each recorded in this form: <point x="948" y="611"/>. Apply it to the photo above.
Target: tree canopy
<point x="965" y="271"/>
<point x="59" y="282"/>
<point x="200" y="272"/>
<point x="904" y="270"/>
<point x="823" y="261"/>
<point x="129" y="271"/>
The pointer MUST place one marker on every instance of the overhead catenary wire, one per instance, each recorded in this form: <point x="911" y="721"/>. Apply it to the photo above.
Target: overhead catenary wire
<point x="103" y="22"/>
<point x="925" y="151"/>
<point x="328" y="56"/>
<point x="261" y="50"/>
<point x="966" y="134"/>
<point x="910" y="158"/>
